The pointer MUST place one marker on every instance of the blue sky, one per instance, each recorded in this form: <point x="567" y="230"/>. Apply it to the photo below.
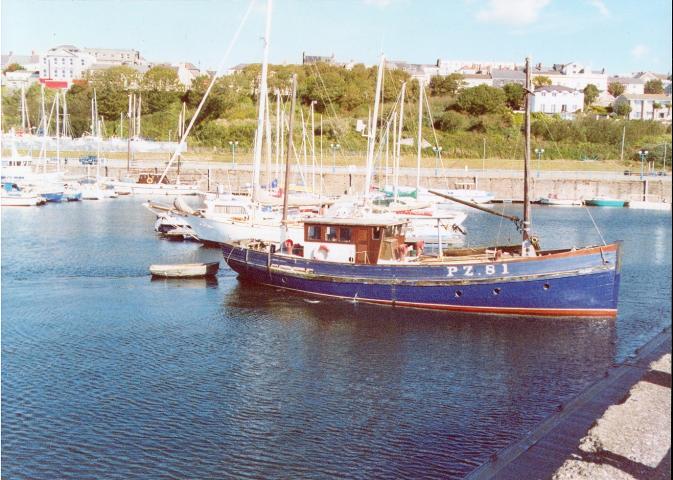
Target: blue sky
<point x="620" y="35"/>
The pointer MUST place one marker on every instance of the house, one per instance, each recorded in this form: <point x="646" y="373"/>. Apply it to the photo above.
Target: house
<point x="632" y="85"/>
<point x="311" y="59"/>
<point x="115" y="57"/>
<point x="19" y="79"/>
<point x="475" y="79"/>
<point x="187" y="72"/>
<point x="573" y="75"/>
<point x="502" y="77"/>
<point x="646" y="106"/>
<point x="28" y="62"/>
<point x="557" y="99"/>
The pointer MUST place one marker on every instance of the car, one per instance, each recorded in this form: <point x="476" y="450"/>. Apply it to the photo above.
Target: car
<point x="627" y="172"/>
<point x="88" y="160"/>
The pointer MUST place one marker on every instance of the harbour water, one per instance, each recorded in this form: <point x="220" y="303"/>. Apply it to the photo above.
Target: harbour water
<point x="109" y="374"/>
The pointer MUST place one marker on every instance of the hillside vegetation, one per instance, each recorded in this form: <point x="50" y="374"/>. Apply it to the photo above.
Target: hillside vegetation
<point x="467" y="123"/>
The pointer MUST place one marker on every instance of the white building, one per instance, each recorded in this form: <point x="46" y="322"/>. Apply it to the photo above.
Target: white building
<point x="635" y="86"/>
<point x="647" y="106"/>
<point x="29" y="62"/>
<point x="573" y="75"/>
<point x="557" y="99"/>
<point x="19" y="78"/>
<point x="113" y="57"/>
<point x="475" y="79"/>
<point x="65" y="63"/>
<point x="468" y="67"/>
<point x="187" y="72"/>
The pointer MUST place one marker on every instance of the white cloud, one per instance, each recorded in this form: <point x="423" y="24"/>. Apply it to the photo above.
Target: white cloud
<point x="511" y="12"/>
<point x="601" y="7"/>
<point x="639" y="51"/>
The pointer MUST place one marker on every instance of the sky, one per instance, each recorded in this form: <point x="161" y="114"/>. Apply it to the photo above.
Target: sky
<point x="622" y="36"/>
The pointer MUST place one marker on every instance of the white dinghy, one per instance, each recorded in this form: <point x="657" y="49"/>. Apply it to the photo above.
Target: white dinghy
<point x="185" y="270"/>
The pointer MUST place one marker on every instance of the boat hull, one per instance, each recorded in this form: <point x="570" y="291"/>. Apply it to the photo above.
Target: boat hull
<point x="579" y="283"/>
<point x="596" y="202"/>
<point x="186" y="270"/>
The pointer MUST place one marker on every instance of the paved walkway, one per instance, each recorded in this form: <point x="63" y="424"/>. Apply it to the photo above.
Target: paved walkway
<point x="618" y="428"/>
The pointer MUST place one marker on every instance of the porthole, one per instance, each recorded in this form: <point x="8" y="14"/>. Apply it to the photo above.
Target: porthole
<point x="496" y="291"/>
<point x="546" y="286"/>
<point x="459" y="294"/>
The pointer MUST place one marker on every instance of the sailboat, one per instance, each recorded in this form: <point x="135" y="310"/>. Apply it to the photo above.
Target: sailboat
<point x="369" y="260"/>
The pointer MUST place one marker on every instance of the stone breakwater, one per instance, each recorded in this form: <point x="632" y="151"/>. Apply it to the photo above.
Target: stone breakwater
<point x="507" y="185"/>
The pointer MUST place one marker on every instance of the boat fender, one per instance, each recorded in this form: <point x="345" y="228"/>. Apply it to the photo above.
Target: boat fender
<point x="420" y="245"/>
<point x="498" y="254"/>
<point x="287" y="245"/>
<point x="149" y="179"/>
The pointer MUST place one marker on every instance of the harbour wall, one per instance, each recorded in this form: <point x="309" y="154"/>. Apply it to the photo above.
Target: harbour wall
<point x="505" y="185"/>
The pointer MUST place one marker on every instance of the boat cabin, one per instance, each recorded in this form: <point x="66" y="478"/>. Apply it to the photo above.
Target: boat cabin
<point x="359" y="241"/>
<point x="150" y="178"/>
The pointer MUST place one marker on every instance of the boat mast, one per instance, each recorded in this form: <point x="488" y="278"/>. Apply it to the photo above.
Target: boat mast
<point x="286" y="184"/>
<point x="396" y="156"/>
<point x="372" y="139"/>
<point x="526" y="163"/>
<point x="257" y="159"/>
<point x="58" y="135"/>
<point x="420" y="136"/>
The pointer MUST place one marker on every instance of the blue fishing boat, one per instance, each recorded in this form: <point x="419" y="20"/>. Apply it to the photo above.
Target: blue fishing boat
<point x="369" y="260"/>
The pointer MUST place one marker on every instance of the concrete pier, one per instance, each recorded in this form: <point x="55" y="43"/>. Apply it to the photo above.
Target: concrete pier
<point x="618" y="428"/>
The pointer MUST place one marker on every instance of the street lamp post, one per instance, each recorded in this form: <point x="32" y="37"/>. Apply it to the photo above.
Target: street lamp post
<point x="334" y="147"/>
<point x="233" y="153"/>
<point x="643" y="155"/>
<point x="438" y="151"/>
<point x="539" y="152"/>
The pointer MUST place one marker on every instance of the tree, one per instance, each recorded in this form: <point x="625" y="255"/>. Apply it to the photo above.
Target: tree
<point x="623" y="109"/>
<point x="541" y="80"/>
<point x="161" y="87"/>
<point x="112" y="86"/>
<point x="447" y="85"/>
<point x="451" y="122"/>
<point x="655" y="106"/>
<point x="654" y="86"/>
<point x="480" y="100"/>
<point x="616" y="89"/>
<point x="13" y="67"/>
<point x="514" y="94"/>
<point x="591" y="93"/>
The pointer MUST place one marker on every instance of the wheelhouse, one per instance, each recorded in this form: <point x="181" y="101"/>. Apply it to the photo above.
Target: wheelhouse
<point x="352" y="240"/>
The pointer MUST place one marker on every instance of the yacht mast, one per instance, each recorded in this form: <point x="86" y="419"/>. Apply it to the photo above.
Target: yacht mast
<point x="262" y="95"/>
<point x="526" y="163"/>
<point x="396" y="156"/>
<point x="420" y="136"/>
<point x="286" y="184"/>
<point x="372" y="139"/>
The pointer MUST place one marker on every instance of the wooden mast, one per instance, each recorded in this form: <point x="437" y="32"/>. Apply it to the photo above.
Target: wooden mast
<point x="526" y="163"/>
<point x="286" y="184"/>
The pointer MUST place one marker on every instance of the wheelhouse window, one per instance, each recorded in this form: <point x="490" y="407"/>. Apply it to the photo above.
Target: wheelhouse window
<point x="345" y="234"/>
<point x="331" y="234"/>
<point x="376" y="233"/>
<point x="314" y="232"/>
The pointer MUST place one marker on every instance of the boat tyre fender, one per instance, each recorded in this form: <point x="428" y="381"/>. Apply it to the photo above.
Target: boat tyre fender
<point x="150" y="180"/>
<point x="287" y="245"/>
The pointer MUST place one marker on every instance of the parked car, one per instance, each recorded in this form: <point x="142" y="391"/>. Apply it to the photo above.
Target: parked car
<point x="88" y="160"/>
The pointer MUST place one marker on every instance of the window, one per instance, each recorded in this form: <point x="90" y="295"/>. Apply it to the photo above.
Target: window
<point x="345" y="234"/>
<point x="82" y="61"/>
<point x="314" y="232"/>
<point x="331" y="234"/>
<point x="553" y="108"/>
<point x="376" y="233"/>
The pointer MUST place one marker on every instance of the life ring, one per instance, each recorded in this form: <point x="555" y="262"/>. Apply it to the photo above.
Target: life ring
<point x="321" y="252"/>
<point x="149" y="180"/>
